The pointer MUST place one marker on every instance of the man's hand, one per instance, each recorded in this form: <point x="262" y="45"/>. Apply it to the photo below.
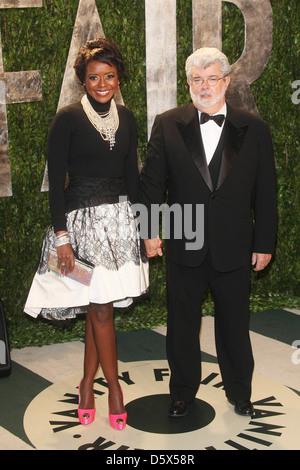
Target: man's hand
<point x="153" y="247"/>
<point x="260" y="260"/>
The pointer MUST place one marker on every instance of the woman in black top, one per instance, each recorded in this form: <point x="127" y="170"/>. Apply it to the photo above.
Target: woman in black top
<point x="94" y="143"/>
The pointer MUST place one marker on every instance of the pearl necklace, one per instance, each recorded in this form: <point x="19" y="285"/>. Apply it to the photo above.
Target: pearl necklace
<point x="106" y="124"/>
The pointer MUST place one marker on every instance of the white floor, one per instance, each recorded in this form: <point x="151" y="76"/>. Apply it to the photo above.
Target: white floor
<point x="275" y="367"/>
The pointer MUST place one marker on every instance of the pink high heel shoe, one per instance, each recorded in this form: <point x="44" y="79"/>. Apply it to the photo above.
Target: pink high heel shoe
<point x="118" y="421"/>
<point x="85" y="416"/>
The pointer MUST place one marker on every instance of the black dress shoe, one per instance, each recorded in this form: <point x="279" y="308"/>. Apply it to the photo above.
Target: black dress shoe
<point x="243" y="407"/>
<point x="178" y="409"/>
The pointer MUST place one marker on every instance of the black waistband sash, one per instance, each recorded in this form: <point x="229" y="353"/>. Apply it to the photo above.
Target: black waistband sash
<point x="85" y="191"/>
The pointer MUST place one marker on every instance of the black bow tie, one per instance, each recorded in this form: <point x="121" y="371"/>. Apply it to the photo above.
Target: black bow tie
<point x="219" y="118"/>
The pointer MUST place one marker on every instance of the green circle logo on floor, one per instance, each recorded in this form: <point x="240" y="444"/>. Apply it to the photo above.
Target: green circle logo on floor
<point x="51" y="421"/>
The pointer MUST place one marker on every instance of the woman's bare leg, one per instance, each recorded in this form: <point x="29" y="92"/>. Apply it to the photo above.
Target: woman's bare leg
<point x="100" y="348"/>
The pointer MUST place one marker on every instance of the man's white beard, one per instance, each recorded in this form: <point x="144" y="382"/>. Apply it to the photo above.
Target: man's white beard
<point x="199" y="99"/>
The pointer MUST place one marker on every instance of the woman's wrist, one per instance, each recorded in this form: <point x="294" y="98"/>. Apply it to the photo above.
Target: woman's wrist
<point x="62" y="238"/>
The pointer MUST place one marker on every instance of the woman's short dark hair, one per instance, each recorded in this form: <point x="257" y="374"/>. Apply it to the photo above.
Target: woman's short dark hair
<point x="102" y="50"/>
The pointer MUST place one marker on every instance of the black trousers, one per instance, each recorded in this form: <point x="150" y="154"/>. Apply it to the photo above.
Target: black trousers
<point x="186" y="287"/>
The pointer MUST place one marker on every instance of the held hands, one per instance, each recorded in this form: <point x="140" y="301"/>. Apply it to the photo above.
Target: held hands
<point x="260" y="261"/>
<point x="153" y="247"/>
<point x="65" y="255"/>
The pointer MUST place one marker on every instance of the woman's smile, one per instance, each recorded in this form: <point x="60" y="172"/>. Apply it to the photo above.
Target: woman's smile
<point x="101" y="81"/>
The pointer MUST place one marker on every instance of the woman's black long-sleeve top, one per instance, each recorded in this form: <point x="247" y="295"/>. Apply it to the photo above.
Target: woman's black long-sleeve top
<point x="77" y="148"/>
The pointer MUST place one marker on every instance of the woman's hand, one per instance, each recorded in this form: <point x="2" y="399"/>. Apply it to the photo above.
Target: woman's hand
<point x="153" y="247"/>
<point x="65" y="257"/>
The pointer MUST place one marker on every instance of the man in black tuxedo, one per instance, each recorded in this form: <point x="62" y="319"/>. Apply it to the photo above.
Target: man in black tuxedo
<point x="228" y="168"/>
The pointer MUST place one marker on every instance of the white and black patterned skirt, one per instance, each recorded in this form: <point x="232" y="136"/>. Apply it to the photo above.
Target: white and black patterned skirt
<point x="106" y="236"/>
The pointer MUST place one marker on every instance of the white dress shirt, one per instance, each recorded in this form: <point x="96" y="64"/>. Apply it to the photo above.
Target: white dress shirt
<point x="211" y="133"/>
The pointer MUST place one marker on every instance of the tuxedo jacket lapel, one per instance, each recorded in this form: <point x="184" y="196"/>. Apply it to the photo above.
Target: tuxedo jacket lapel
<point x="233" y="136"/>
<point x="233" y="140"/>
<point x="189" y="129"/>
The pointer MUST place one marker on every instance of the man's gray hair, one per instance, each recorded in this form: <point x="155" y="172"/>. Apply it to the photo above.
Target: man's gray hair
<point x="205" y="57"/>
